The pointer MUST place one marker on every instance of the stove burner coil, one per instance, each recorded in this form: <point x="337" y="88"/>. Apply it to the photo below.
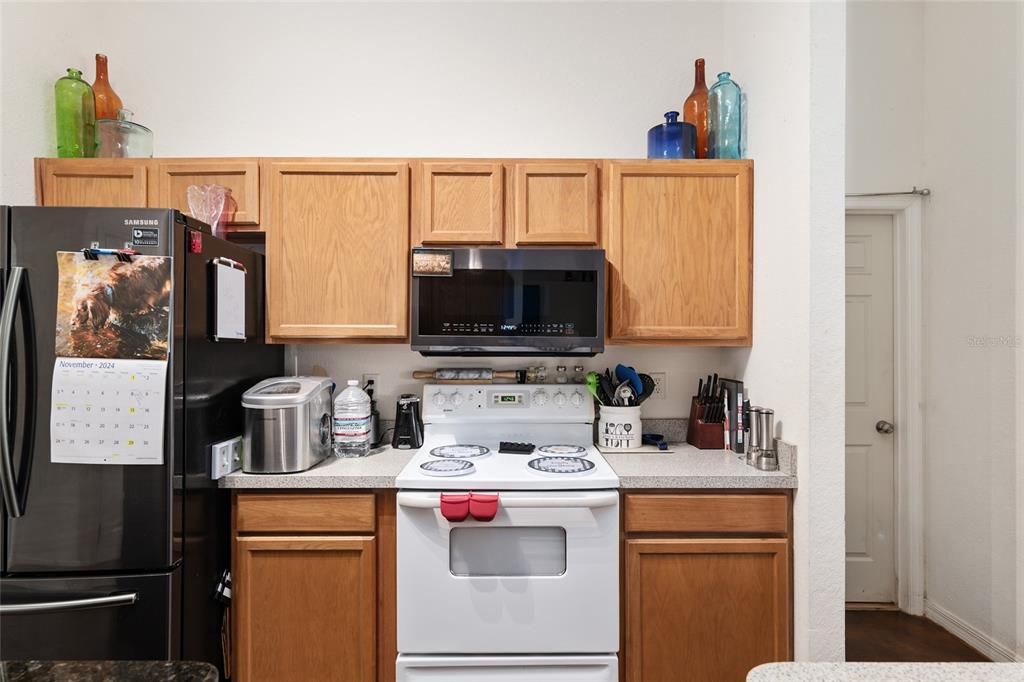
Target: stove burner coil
<point x="564" y="450"/>
<point x="448" y="467"/>
<point x="561" y="465"/>
<point x="460" y="451"/>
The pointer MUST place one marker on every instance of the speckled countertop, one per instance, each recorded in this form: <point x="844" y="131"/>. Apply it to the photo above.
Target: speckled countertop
<point x="684" y="467"/>
<point x="107" y="671"/>
<point x="887" y="672"/>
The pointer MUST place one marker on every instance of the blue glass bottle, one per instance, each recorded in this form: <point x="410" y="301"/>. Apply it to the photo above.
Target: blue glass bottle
<point x="672" y="139"/>
<point x="725" y="126"/>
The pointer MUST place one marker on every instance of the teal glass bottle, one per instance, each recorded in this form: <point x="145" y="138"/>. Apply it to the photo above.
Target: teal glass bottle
<point x="76" y="116"/>
<point x="725" y="125"/>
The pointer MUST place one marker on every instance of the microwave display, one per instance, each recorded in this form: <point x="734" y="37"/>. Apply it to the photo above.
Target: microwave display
<point x="505" y="302"/>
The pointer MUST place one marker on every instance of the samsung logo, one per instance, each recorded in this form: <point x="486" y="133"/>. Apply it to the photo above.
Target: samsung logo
<point x="141" y="221"/>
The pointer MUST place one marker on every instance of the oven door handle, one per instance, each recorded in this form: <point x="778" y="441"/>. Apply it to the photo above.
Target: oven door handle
<point x="564" y="500"/>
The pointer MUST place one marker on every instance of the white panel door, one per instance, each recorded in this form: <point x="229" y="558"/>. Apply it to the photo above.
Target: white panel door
<point x="870" y="452"/>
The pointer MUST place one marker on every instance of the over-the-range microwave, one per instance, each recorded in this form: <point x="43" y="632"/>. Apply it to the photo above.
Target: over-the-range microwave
<point x="508" y="302"/>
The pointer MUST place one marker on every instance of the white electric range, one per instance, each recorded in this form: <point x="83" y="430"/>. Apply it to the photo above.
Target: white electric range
<point x="508" y="561"/>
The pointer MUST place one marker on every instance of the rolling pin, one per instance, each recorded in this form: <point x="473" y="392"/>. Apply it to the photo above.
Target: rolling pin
<point x="465" y="375"/>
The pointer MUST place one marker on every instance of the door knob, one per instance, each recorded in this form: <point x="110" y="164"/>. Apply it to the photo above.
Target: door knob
<point x="884" y="427"/>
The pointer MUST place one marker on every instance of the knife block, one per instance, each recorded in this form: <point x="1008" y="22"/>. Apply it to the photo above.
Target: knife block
<point x="700" y="434"/>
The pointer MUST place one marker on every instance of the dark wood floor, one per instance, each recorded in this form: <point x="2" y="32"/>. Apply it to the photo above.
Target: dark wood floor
<point x="895" y="636"/>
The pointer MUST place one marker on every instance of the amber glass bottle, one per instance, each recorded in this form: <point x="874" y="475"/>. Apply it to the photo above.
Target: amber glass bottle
<point x="695" y="109"/>
<point x="107" y="101"/>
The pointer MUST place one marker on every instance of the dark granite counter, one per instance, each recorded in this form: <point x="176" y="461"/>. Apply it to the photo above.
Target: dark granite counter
<point x="107" y="671"/>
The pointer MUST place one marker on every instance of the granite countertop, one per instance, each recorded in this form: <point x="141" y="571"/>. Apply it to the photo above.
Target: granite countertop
<point x="886" y="672"/>
<point x="377" y="470"/>
<point x="684" y="467"/>
<point x="107" y="671"/>
<point x="688" y="467"/>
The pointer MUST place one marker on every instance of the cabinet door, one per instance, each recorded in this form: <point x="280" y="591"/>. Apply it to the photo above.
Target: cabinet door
<point x="304" y="608"/>
<point x="679" y="240"/>
<point x="460" y="202"/>
<point x="555" y="202"/>
<point x="337" y="249"/>
<point x="705" y="609"/>
<point x="240" y="176"/>
<point x="118" y="183"/>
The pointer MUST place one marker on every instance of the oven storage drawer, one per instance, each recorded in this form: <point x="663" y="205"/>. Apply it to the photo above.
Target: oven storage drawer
<point x="505" y="668"/>
<point x="541" y="578"/>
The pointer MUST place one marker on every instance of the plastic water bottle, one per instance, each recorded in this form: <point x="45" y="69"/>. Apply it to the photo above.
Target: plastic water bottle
<point x="352" y="422"/>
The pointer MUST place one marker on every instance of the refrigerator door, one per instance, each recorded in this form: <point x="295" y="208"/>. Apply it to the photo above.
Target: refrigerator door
<point x="76" y="517"/>
<point x="216" y="375"/>
<point x="108" y="618"/>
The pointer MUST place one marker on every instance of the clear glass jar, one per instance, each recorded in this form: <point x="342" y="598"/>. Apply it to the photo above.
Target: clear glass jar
<point x="123" y="137"/>
<point x="561" y="377"/>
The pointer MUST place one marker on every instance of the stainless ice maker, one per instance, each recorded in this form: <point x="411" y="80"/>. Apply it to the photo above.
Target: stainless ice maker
<point x="288" y="424"/>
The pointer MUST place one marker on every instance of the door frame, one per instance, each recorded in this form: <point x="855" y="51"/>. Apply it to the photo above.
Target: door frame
<point x="907" y="218"/>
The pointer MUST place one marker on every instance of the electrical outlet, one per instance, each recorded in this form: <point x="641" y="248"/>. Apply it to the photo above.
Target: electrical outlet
<point x="660" y="387"/>
<point x="225" y="457"/>
<point x="375" y="378"/>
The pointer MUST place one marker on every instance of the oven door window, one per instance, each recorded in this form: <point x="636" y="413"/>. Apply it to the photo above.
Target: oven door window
<point x="552" y="303"/>
<point x="479" y="551"/>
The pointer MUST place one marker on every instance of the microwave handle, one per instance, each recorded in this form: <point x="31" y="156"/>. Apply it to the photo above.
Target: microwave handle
<point x="583" y="500"/>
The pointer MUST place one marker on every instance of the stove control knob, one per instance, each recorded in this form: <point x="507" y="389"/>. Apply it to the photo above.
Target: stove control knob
<point x="457" y="399"/>
<point x="439" y="399"/>
<point x="560" y="399"/>
<point x="540" y="398"/>
<point x="576" y="399"/>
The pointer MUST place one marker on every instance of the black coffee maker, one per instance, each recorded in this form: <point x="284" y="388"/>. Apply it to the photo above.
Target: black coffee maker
<point x="408" y="423"/>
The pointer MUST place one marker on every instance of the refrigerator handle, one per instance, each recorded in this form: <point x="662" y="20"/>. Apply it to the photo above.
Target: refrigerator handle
<point x="110" y="600"/>
<point x="10" y="307"/>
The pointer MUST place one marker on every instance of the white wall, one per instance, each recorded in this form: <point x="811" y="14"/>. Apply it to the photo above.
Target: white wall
<point x="512" y="79"/>
<point x="933" y="101"/>
<point x="792" y="56"/>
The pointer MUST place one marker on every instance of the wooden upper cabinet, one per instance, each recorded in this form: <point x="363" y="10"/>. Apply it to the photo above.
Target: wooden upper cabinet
<point x="712" y="607"/>
<point x="459" y="202"/>
<point x="118" y="183"/>
<point x="679" y="239"/>
<point x="240" y="176"/>
<point x="305" y="608"/>
<point x="555" y="202"/>
<point x="337" y="248"/>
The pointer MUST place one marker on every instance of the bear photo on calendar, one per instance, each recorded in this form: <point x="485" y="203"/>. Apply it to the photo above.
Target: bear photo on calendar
<point x="109" y="308"/>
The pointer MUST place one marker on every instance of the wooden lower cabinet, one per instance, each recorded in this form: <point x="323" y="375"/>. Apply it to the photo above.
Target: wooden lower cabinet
<point x="306" y="608"/>
<point x="313" y="578"/>
<point x="704" y="609"/>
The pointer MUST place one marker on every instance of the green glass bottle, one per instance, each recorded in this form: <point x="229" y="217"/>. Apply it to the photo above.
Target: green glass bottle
<point x="76" y="116"/>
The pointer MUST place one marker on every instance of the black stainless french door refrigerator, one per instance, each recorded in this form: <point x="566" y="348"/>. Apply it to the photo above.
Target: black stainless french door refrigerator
<point x="103" y="561"/>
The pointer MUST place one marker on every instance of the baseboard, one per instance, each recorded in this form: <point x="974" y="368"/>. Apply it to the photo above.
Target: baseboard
<point x="998" y="652"/>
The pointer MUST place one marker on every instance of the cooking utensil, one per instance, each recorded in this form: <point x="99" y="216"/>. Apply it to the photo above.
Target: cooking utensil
<point x="607" y="388"/>
<point x="648" y="388"/>
<point x="624" y="395"/>
<point x="655" y="439"/>
<point x="469" y="375"/>
<point x="593" y="386"/>
<point x="624" y="373"/>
